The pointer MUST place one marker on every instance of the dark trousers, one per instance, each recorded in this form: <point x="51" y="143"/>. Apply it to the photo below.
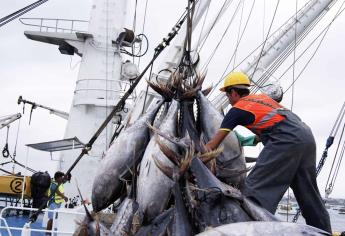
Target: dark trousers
<point x="288" y="159"/>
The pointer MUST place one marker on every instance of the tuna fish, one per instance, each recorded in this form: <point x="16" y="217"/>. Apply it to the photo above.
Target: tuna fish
<point x="124" y="218"/>
<point x="126" y="150"/>
<point x="90" y="226"/>
<point x="154" y="187"/>
<point x="264" y="228"/>
<point x="232" y="157"/>
<point x="159" y="226"/>
<point x="215" y="202"/>
<point x="212" y="202"/>
<point x="181" y="225"/>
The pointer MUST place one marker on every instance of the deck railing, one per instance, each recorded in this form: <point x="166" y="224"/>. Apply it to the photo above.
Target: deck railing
<point x="56" y="25"/>
<point x="12" y="230"/>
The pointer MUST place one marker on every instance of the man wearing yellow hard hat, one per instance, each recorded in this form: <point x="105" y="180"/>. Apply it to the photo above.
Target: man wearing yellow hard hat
<point x="289" y="154"/>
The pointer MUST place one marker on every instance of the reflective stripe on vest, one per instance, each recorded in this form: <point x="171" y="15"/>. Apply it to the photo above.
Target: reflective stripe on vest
<point x="263" y="108"/>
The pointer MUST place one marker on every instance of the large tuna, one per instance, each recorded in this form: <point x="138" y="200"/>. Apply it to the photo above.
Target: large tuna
<point x="124" y="218"/>
<point x="264" y="228"/>
<point x="154" y="187"/>
<point x="123" y="154"/>
<point x="231" y="161"/>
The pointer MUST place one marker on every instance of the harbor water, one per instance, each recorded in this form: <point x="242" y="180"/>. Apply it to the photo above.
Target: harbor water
<point x="337" y="220"/>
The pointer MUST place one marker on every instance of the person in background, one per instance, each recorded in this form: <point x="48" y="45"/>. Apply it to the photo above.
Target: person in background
<point x="289" y="154"/>
<point x="57" y="199"/>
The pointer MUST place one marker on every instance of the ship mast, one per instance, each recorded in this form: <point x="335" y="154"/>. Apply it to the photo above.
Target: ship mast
<point x="98" y="87"/>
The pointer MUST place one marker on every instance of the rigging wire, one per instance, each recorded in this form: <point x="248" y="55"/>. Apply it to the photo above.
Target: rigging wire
<point x="318" y="46"/>
<point x="294" y="58"/>
<point x="283" y="56"/>
<point x="331" y="180"/>
<point x="185" y="15"/>
<point x="142" y="32"/>
<point x="264" y="44"/>
<point x="225" y="5"/>
<point x="293" y="90"/>
<point x="263" y="21"/>
<point x="5" y="152"/>
<point x="287" y="52"/>
<point x="165" y="42"/>
<point x="329" y="143"/>
<point x="106" y="67"/>
<point x="204" y="67"/>
<point x="134" y="25"/>
<point x="16" y="14"/>
<point x="239" y="31"/>
<point x="304" y="51"/>
<point x="227" y="66"/>
<point x="262" y="80"/>
<point x="202" y="28"/>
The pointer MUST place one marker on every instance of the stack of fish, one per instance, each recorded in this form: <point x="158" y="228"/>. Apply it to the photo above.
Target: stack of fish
<point x="176" y="188"/>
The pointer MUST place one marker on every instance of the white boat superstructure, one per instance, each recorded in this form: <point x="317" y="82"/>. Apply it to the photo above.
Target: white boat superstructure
<point x="101" y="82"/>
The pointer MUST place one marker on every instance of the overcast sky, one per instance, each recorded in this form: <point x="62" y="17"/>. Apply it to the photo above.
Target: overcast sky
<point x="41" y="74"/>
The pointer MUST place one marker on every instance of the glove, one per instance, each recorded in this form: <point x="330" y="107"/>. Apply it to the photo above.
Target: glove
<point x="246" y="141"/>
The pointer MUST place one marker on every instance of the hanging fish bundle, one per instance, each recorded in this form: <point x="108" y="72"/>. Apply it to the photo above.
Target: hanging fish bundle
<point x="176" y="188"/>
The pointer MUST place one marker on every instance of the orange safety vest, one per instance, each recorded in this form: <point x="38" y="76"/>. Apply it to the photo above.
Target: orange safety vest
<point x="264" y="108"/>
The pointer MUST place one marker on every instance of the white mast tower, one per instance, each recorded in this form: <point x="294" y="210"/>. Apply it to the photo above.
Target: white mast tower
<point x="98" y="88"/>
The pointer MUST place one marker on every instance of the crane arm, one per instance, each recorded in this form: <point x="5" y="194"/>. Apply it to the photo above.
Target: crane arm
<point x="6" y="120"/>
<point x="34" y="105"/>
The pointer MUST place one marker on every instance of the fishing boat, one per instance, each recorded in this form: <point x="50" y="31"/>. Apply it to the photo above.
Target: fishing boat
<point x="286" y="209"/>
<point x="111" y="46"/>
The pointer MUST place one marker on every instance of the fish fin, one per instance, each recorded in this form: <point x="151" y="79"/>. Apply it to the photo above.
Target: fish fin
<point x="88" y="214"/>
<point x="162" y="89"/>
<point x="170" y="154"/>
<point x="190" y="93"/>
<point x="177" y="141"/>
<point x="168" y="171"/>
<point x="201" y="79"/>
<point x="207" y="90"/>
<point x="185" y="163"/>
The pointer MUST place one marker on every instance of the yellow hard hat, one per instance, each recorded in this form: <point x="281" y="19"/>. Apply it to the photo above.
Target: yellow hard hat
<point x="236" y="79"/>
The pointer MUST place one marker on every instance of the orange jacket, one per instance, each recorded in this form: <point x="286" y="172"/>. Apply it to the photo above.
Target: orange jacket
<point x="264" y="108"/>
